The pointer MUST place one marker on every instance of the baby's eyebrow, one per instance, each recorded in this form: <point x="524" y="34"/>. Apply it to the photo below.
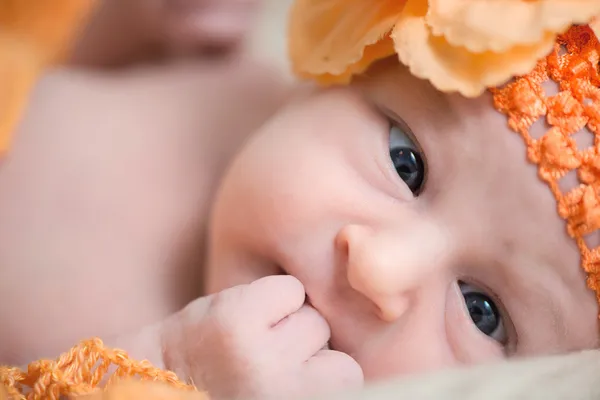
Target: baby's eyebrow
<point x="393" y="115"/>
<point x="443" y="101"/>
<point x="429" y="98"/>
<point x="419" y="92"/>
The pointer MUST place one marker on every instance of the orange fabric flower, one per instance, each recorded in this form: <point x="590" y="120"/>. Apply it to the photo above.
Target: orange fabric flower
<point x="461" y="46"/>
<point x="331" y="40"/>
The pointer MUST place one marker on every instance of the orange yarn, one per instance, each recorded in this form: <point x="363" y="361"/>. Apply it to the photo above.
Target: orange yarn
<point x="575" y="108"/>
<point x="80" y="371"/>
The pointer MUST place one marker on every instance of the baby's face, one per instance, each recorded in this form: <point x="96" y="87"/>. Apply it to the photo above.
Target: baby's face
<point x="413" y="219"/>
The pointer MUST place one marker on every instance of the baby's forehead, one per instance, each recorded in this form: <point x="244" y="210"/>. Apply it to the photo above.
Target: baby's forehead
<point x="470" y="125"/>
<point x="390" y="85"/>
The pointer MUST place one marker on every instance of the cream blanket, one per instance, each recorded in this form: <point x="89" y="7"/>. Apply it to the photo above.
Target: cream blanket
<point x="574" y="377"/>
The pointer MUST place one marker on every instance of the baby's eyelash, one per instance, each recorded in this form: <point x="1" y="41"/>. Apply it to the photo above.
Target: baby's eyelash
<point x="512" y="337"/>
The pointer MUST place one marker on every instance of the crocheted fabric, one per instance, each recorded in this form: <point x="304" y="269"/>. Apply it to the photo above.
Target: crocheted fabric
<point x="80" y="371"/>
<point x="573" y="66"/>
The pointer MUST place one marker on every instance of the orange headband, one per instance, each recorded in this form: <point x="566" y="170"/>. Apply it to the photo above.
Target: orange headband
<point x="463" y="46"/>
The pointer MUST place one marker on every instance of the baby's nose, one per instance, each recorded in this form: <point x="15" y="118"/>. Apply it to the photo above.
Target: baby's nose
<point x="389" y="266"/>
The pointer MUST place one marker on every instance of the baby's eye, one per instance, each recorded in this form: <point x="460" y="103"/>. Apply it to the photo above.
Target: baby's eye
<point x="483" y="312"/>
<point x="407" y="159"/>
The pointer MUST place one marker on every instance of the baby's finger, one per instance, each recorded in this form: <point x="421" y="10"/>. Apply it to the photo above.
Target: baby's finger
<point x="302" y="334"/>
<point x="273" y="298"/>
<point x="331" y="371"/>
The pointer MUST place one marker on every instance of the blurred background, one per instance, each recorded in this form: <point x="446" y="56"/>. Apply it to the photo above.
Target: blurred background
<point x="268" y="41"/>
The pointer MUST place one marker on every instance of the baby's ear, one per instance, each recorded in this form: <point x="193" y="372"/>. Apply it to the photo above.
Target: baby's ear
<point x="130" y="390"/>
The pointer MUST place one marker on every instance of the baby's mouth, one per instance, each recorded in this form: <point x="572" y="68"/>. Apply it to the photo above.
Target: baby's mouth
<point x="282" y="271"/>
<point x="328" y="345"/>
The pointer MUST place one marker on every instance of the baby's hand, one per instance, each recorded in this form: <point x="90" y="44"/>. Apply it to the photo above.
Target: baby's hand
<point x="258" y="341"/>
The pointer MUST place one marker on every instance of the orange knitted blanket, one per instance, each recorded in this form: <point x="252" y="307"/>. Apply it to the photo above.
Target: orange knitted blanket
<point x="84" y="369"/>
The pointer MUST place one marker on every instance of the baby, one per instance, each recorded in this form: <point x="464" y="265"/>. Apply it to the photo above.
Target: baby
<point x="420" y="243"/>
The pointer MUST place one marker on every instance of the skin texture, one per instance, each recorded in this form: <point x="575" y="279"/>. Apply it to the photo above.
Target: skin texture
<point x="322" y="202"/>
<point x="110" y="179"/>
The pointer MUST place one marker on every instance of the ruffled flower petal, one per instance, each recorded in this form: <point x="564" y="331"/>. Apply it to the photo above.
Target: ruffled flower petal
<point x="334" y="39"/>
<point x="464" y="46"/>
<point x="501" y="25"/>
<point x="451" y="68"/>
<point x="378" y="51"/>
